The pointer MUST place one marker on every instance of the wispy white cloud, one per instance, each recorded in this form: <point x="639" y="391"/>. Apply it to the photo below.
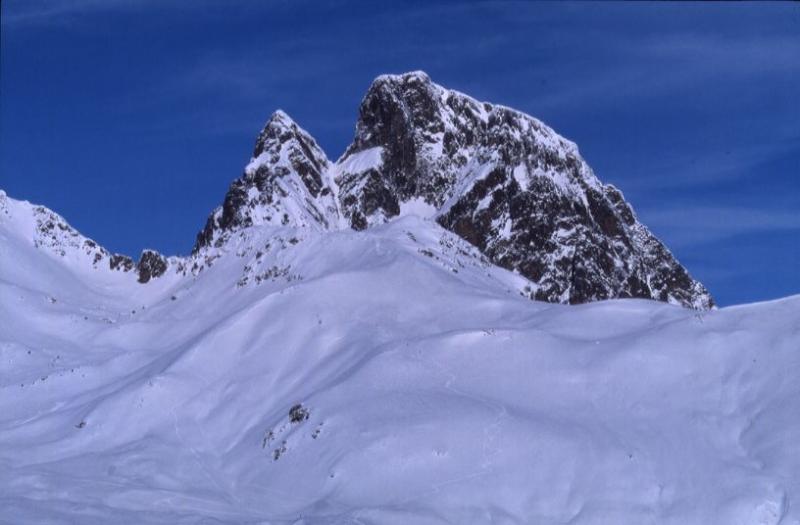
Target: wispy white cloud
<point x="670" y="64"/>
<point x="696" y="225"/>
<point x="709" y="167"/>
<point x="46" y="12"/>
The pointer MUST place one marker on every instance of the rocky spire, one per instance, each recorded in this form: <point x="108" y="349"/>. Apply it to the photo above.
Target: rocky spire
<point x="285" y="184"/>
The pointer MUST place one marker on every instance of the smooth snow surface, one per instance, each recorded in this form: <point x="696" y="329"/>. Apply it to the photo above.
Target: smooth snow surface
<point x="361" y="161"/>
<point x="417" y="206"/>
<point x="435" y="393"/>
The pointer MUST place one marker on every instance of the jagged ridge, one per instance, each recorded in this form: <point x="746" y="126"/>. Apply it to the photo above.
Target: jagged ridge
<point x="286" y="182"/>
<point x="498" y="178"/>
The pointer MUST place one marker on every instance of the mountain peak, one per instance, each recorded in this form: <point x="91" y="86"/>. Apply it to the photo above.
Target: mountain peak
<point x="508" y="184"/>
<point x="281" y="115"/>
<point x="409" y="77"/>
<point x="286" y="183"/>
<point x="280" y="120"/>
<point x="500" y="179"/>
<point x="279" y="130"/>
<point x="395" y="102"/>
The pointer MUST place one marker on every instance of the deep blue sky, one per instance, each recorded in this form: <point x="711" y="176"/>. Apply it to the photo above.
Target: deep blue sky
<point x="130" y="118"/>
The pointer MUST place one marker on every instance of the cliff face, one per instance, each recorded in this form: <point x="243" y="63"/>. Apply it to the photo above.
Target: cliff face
<point x="509" y="185"/>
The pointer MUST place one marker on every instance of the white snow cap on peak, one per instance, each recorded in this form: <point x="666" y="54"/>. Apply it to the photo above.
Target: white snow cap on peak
<point x="280" y="118"/>
<point x="411" y="75"/>
<point x="279" y="128"/>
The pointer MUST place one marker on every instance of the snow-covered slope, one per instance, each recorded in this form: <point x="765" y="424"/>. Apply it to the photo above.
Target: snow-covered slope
<point x="293" y="374"/>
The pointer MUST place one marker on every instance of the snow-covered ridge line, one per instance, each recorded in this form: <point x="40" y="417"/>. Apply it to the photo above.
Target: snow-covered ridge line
<point x="46" y="229"/>
<point x="500" y="179"/>
<point x="50" y="234"/>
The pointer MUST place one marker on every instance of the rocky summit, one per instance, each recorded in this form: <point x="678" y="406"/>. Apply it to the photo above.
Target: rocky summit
<point x="500" y="179"/>
<point x="287" y="182"/>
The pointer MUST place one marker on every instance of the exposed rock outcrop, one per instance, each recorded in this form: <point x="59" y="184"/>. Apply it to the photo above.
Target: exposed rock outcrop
<point x="509" y="185"/>
<point x="286" y="183"/>
<point x="151" y="265"/>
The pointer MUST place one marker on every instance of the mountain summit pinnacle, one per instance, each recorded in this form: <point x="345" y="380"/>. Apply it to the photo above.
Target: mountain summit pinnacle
<point x="499" y="178"/>
<point x="286" y="183"/>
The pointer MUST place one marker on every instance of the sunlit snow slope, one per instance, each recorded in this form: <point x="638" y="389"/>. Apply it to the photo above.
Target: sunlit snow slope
<point x="385" y="376"/>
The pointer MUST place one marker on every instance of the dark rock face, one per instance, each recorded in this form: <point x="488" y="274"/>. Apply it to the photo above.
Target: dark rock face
<point x="298" y="413"/>
<point x="120" y="262"/>
<point x="151" y="265"/>
<point x="512" y="187"/>
<point x="399" y="125"/>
